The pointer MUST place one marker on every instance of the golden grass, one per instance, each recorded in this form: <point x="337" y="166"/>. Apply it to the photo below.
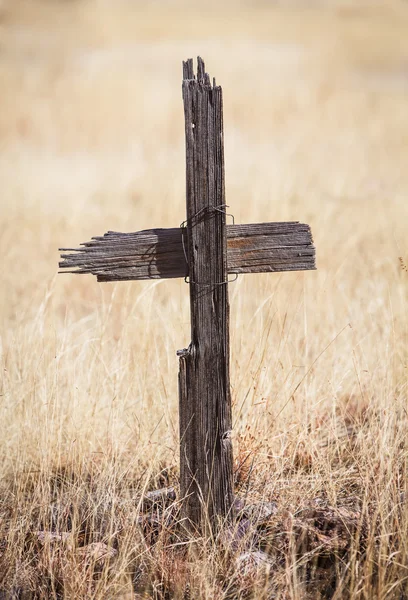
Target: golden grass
<point x="91" y="130"/>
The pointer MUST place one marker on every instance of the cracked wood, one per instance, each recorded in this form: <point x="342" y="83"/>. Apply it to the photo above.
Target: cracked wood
<point x="160" y="253"/>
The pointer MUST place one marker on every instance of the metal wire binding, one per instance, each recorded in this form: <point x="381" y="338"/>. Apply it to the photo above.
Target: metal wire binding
<point x="219" y="208"/>
<point x="188" y="280"/>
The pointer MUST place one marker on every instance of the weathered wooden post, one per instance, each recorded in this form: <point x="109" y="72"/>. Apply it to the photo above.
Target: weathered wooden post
<point x="205" y="251"/>
<point x="206" y="477"/>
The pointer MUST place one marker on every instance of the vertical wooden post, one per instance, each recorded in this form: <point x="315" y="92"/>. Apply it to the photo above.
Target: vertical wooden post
<point x="204" y="387"/>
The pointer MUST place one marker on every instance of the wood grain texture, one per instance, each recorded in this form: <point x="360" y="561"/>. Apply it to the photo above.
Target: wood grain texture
<point x="206" y="251"/>
<point x="206" y="465"/>
<point x="159" y="253"/>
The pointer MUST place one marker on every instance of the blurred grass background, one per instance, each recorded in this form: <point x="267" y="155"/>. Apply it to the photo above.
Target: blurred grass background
<point x="92" y="139"/>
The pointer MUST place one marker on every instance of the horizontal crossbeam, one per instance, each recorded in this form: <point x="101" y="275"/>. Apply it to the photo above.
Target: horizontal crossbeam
<point x="161" y="253"/>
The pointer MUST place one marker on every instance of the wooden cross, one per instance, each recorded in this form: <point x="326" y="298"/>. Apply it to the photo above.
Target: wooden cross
<point x="205" y="251"/>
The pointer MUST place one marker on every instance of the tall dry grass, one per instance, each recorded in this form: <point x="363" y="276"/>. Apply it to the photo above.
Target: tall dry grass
<point x="91" y="130"/>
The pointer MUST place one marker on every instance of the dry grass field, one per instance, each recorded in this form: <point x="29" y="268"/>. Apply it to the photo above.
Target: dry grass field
<point x="92" y="139"/>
